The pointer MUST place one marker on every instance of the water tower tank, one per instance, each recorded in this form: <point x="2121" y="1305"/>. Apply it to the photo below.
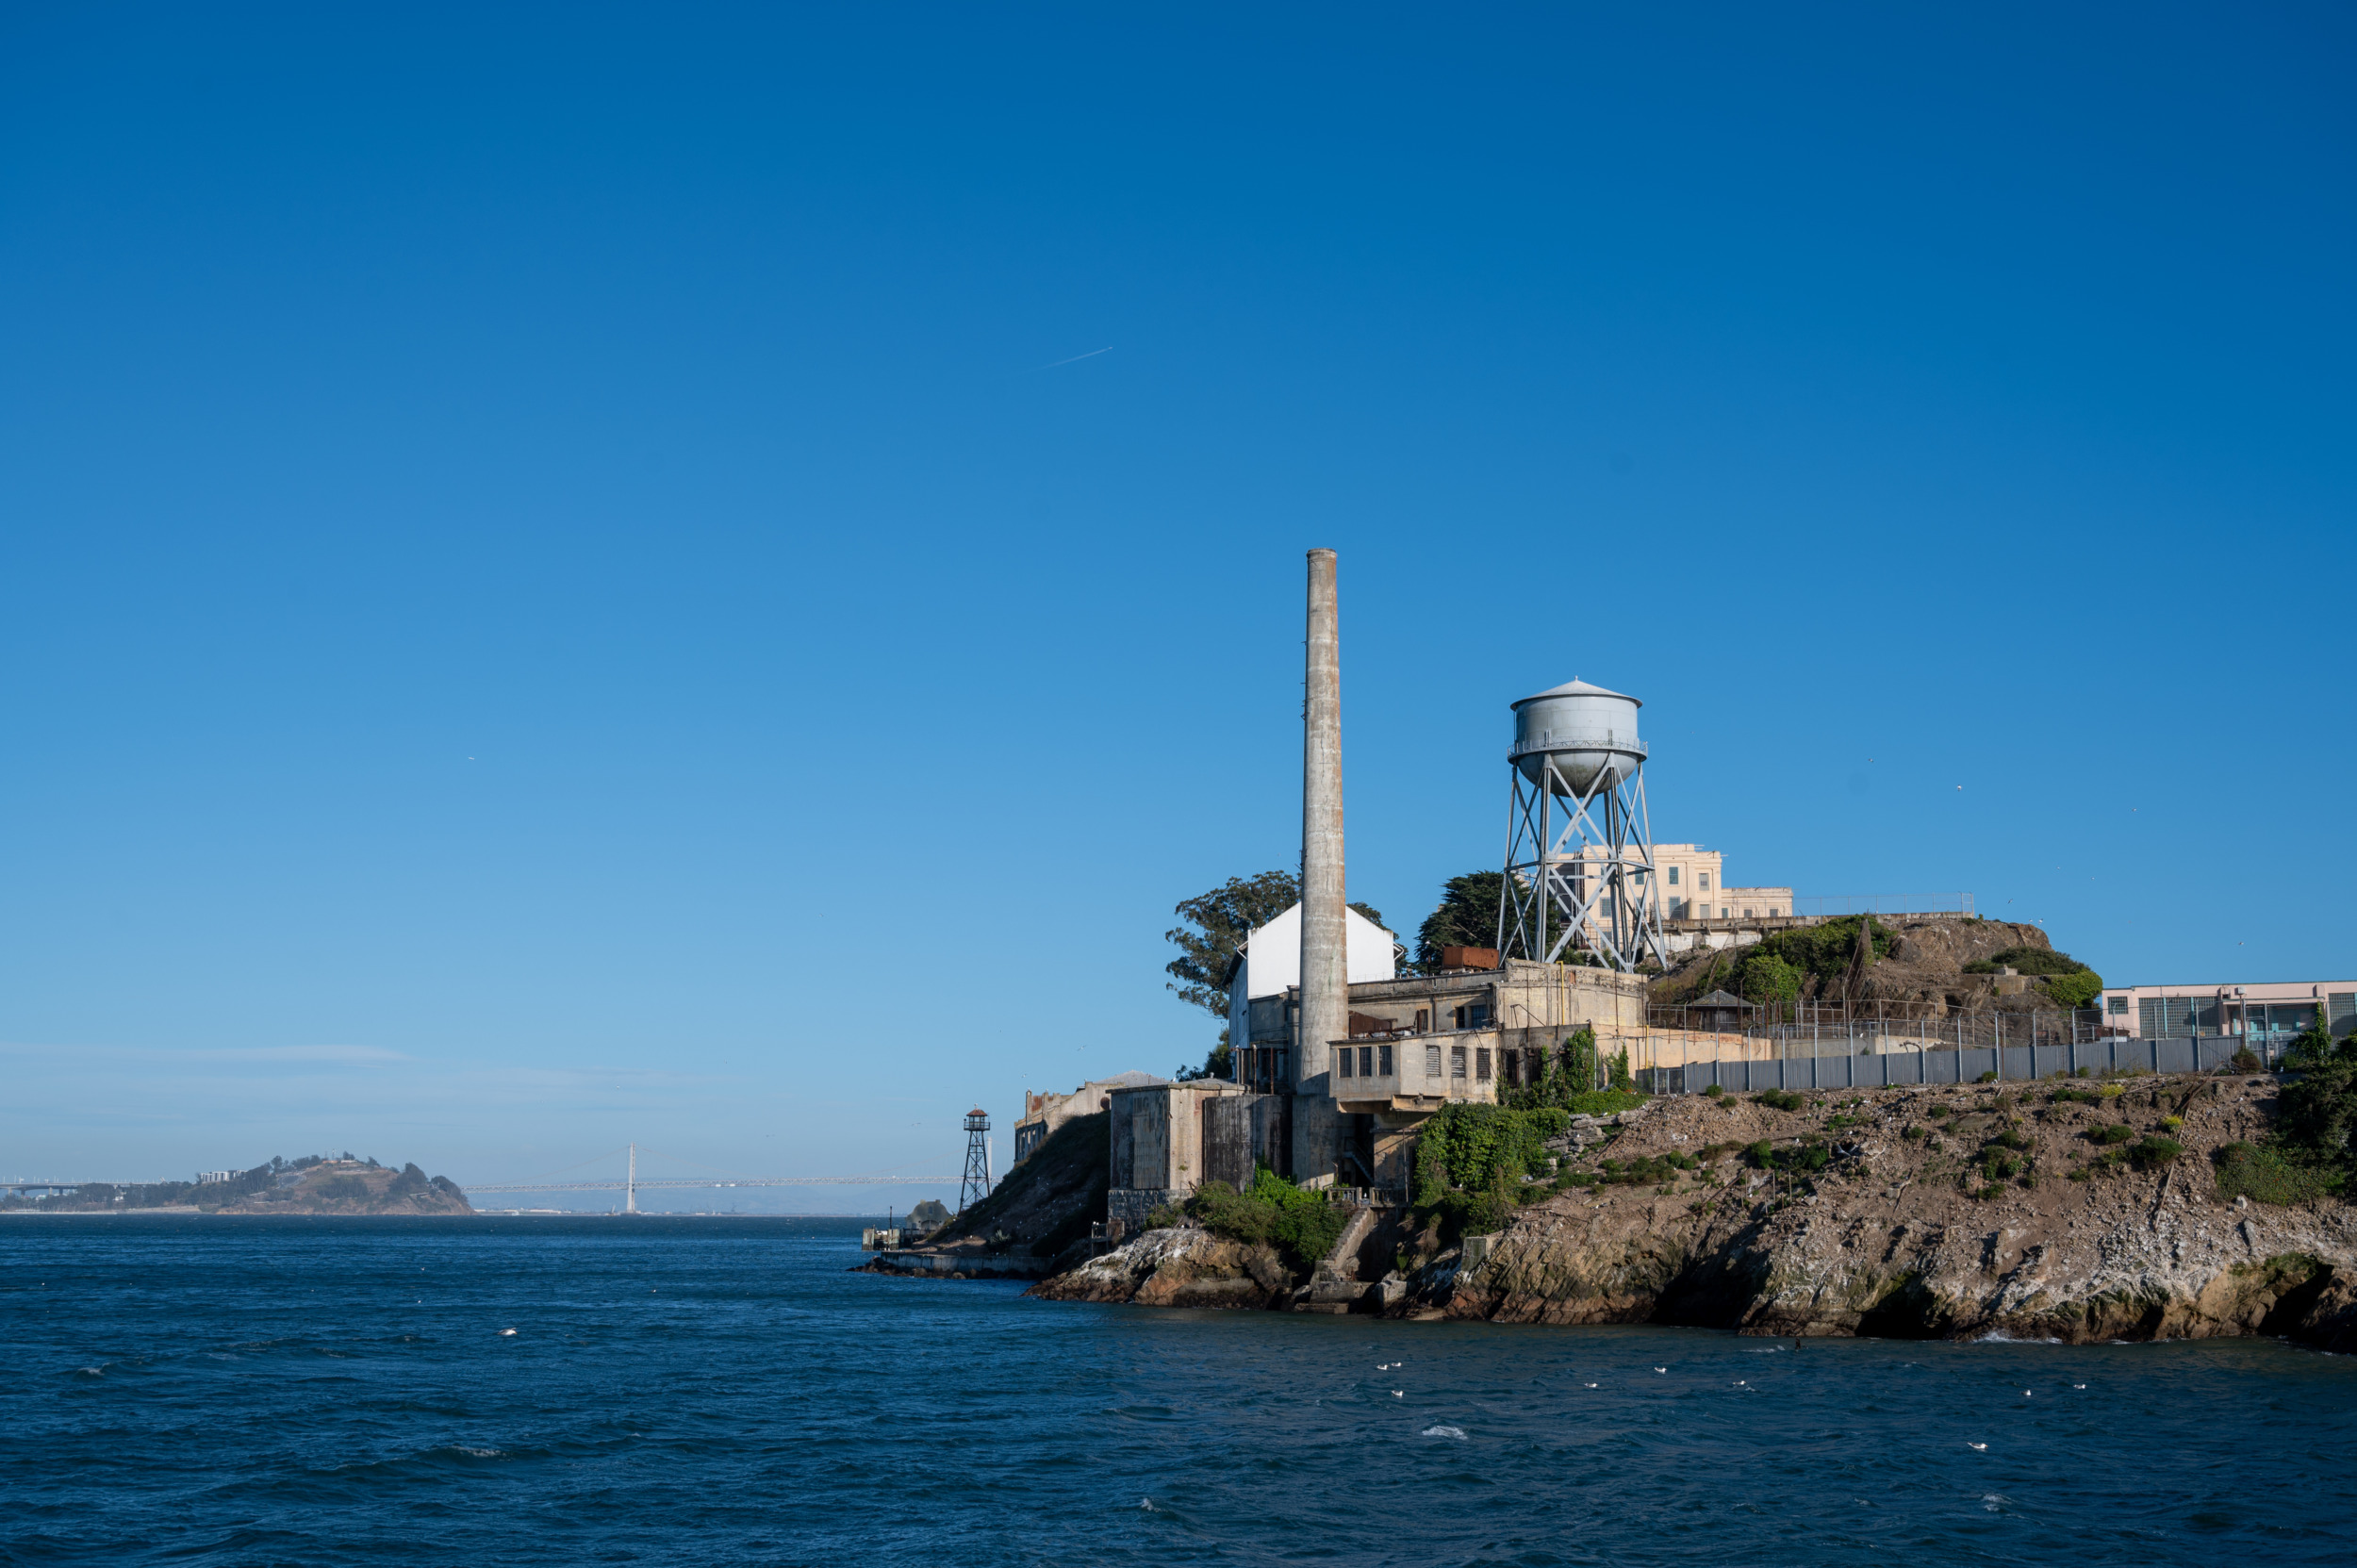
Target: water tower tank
<point x="1589" y="732"/>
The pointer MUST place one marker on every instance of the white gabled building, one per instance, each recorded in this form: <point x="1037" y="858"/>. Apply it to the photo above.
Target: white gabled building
<point x="1268" y="964"/>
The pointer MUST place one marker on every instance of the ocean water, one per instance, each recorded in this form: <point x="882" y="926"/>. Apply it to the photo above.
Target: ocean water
<point x="712" y="1390"/>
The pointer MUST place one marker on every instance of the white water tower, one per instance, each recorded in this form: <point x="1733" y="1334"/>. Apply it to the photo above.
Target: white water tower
<point x="1579" y="867"/>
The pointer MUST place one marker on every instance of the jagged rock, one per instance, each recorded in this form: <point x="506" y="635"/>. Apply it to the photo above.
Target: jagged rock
<point x="1887" y="1241"/>
<point x="1177" y="1267"/>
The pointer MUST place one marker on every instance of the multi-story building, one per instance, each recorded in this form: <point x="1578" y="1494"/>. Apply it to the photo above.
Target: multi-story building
<point x="1693" y="887"/>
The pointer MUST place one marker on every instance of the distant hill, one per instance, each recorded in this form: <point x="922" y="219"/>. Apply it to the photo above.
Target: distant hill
<point x="317" y="1184"/>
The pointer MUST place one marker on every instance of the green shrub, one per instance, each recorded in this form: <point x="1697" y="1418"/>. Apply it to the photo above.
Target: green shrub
<point x="1714" y="1091"/>
<point x="2266" y="1175"/>
<point x="1300" y="1224"/>
<point x="2118" y="1133"/>
<point x="1989" y="1190"/>
<point x="2154" y="1149"/>
<point x="1622" y="1082"/>
<point x="1911" y="1132"/>
<point x="2244" y="1059"/>
<point x="2077" y="1097"/>
<point x="1943" y="1111"/>
<point x="1989" y="1077"/>
<point x="2011" y="1139"/>
<point x="1778" y="1099"/>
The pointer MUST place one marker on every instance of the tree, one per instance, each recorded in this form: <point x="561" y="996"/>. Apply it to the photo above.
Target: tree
<point x="1216" y="924"/>
<point x="1468" y="917"/>
<point x="1221" y="919"/>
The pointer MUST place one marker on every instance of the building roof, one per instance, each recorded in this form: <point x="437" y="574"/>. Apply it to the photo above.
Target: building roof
<point x="1718" y="999"/>
<point x="1366" y="954"/>
<point x="1577" y="687"/>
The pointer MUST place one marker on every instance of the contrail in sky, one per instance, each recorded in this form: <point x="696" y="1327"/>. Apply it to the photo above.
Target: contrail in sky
<point x="1078" y="357"/>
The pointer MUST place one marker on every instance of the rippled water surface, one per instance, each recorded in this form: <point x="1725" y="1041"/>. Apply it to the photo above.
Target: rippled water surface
<point x="683" y="1391"/>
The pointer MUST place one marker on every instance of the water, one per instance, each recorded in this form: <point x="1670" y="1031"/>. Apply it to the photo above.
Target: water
<point x="685" y="1392"/>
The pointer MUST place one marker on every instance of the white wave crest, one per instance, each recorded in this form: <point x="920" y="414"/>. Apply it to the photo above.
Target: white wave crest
<point x="1457" y="1432"/>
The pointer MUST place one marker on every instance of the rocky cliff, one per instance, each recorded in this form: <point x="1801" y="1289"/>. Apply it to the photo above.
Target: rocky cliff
<point x="1940" y="1212"/>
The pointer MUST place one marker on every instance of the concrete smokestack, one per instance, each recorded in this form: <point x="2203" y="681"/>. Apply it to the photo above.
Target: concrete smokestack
<point x="1325" y="963"/>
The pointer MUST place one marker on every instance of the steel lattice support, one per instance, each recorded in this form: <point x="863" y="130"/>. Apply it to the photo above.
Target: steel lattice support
<point x="1579" y="869"/>
<point x="975" y="1186"/>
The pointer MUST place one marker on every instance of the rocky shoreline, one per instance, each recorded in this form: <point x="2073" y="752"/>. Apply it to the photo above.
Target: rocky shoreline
<point x="1900" y="1231"/>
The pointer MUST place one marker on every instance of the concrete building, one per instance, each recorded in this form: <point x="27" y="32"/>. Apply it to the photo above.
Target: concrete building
<point x="1268" y="963"/>
<point x="1170" y="1138"/>
<point x="1693" y="887"/>
<point x="1045" y="1113"/>
<point x="2262" y="1013"/>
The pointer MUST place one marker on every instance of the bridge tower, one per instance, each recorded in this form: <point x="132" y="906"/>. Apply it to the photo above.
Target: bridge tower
<point x="975" y="1186"/>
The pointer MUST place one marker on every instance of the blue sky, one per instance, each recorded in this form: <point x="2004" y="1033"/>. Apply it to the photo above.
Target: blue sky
<point x="566" y="578"/>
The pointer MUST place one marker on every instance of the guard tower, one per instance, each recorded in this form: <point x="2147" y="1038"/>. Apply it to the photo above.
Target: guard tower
<point x="975" y="1186"/>
<point x="1579" y="871"/>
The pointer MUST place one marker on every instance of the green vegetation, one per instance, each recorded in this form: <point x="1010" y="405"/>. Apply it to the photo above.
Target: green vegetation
<point x="1620" y="1080"/>
<point x="1567" y="1081"/>
<point x="2154" y="1149"/>
<point x="1468" y="918"/>
<point x="1987" y="1078"/>
<point x="1809" y="1156"/>
<point x="2265" y="1176"/>
<point x="2079" y="1096"/>
<point x="1778" y="1099"/>
<point x="1301" y="1225"/>
<point x="2070" y="983"/>
<point x="1714" y="1092"/>
<point x="2118" y="1133"/>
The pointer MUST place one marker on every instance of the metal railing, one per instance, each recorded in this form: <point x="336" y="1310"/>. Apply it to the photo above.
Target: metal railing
<point x="1884" y="903"/>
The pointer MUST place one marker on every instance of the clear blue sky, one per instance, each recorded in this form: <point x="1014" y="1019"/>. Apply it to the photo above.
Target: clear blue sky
<point x="563" y="576"/>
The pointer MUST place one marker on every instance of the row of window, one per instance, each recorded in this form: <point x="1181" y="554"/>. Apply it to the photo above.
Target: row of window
<point x="1375" y="1061"/>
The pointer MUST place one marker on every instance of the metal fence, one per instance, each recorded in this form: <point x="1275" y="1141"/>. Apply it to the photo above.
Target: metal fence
<point x="1884" y="903"/>
<point x="1810" y="1029"/>
<point x="1960" y="1064"/>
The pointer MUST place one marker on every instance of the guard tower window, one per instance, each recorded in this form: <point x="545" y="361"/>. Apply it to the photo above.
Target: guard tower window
<point x="1457" y="1061"/>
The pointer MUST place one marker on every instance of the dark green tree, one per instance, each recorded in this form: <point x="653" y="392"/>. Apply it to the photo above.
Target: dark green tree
<point x="1468" y="917"/>
<point x="1215" y="925"/>
<point x="2318" y="1112"/>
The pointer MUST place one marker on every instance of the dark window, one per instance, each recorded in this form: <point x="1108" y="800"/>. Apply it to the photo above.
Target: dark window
<point x="1477" y="1015"/>
<point x="1424" y="1019"/>
<point x="1481" y="1064"/>
<point x="1366" y="1060"/>
<point x="1344" y="1055"/>
<point x="1386" y="1068"/>
<point x="1457" y="1061"/>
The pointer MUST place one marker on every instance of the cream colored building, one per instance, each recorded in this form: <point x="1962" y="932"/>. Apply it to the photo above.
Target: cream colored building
<point x="1693" y="887"/>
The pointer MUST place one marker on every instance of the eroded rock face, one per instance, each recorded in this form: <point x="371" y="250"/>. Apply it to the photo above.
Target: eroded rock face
<point x="1891" y="1239"/>
<point x="1177" y="1268"/>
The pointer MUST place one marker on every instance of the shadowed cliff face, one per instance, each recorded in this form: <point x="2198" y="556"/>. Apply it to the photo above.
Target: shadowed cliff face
<point x="1971" y="1225"/>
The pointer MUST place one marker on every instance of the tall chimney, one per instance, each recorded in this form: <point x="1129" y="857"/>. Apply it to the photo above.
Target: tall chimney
<point x="1325" y="965"/>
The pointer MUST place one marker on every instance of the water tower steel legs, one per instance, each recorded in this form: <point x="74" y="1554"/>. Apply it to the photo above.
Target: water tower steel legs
<point x="1555" y="894"/>
<point x="1325" y="961"/>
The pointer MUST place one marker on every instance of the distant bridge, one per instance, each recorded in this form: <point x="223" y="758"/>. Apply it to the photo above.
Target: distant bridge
<point x="620" y="1185"/>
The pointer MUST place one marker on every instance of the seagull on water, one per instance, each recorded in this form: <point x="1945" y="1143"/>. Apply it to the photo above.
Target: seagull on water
<point x="1978" y="1447"/>
<point x="1661" y="1369"/>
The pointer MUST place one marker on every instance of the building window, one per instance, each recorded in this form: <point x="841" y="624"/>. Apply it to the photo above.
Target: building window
<point x="1424" y="1019"/>
<point x="1477" y="1015"/>
<point x="1431" y="1060"/>
<point x="1343" y="1055"/>
<point x="1482" y="1064"/>
<point x="1366" y="1060"/>
<point x="1773" y="913"/>
<point x="1674" y="876"/>
<point x="1702" y="880"/>
<point x="2115" y="1004"/>
<point x="1457" y="1061"/>
<point x="1385" y="1059"/>
<point x="1747" y="914"/>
